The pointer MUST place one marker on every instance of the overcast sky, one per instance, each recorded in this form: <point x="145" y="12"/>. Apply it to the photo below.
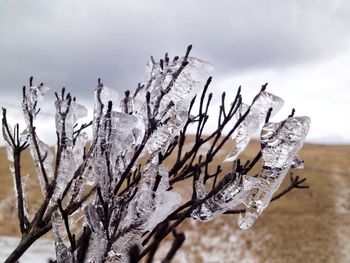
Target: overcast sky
<point x="302" y="48"/>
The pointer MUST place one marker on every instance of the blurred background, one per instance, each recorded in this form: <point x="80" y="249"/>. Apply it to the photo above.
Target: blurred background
<point x="301" y="48"/>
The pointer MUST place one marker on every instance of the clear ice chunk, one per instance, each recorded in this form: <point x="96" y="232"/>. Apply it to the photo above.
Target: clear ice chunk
<point x="280" y="143"/>
<point x="254" y="121"/>
<point x="152" y="203"/>
<point x="233" y="189"/>
<point x="63" y="254"/>
<point x="118" y="137"/>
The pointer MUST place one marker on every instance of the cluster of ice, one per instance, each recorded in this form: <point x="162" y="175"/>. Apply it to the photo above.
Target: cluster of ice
<point x="280" y="143"/>
<point x="156" y="111"/>
<point x="118" y="136"/>
<point x="118" y="131"/>
<point x="170" y="96"/>
<point x="151" y="204"/>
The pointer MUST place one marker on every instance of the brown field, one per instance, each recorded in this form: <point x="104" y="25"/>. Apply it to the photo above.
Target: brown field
<point x="311" y="225"/>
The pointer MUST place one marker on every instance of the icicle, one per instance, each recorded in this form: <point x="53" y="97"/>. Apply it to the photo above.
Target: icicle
<point x="254" y="121"/>
<point x="233" y="191"/>
<point x="63" y="254"/>
<point x="77" y="190"/>
<point x="280" y="143"/>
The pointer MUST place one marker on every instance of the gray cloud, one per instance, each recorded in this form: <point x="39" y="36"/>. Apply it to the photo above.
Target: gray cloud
<point x="72" y="43"/>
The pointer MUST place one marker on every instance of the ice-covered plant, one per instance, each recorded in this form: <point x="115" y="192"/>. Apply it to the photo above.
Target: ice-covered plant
<point x="122" y="184"/>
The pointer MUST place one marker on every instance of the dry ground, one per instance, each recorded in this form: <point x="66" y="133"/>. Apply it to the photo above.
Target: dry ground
<point x="304" y="226"/>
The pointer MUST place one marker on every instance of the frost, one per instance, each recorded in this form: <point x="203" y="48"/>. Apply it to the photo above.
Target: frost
<point x="254" y="121"/>
<point x="280" y="143"/>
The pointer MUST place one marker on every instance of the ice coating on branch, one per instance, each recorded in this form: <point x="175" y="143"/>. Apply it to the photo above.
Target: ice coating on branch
<point x="280" y="143"/>
<point x="40" y="152"/>
<point x="172" y="87"/>
<point x="67" y="114"/>
<point x="63" y="254"/>
<point x="103" y="95"/>
<point x="231" y="191"/>
<point x="254" y="121"/>
<point x="34" y="94"/>
<point x="118" y="136"/>
<point x="42" y="156"/>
